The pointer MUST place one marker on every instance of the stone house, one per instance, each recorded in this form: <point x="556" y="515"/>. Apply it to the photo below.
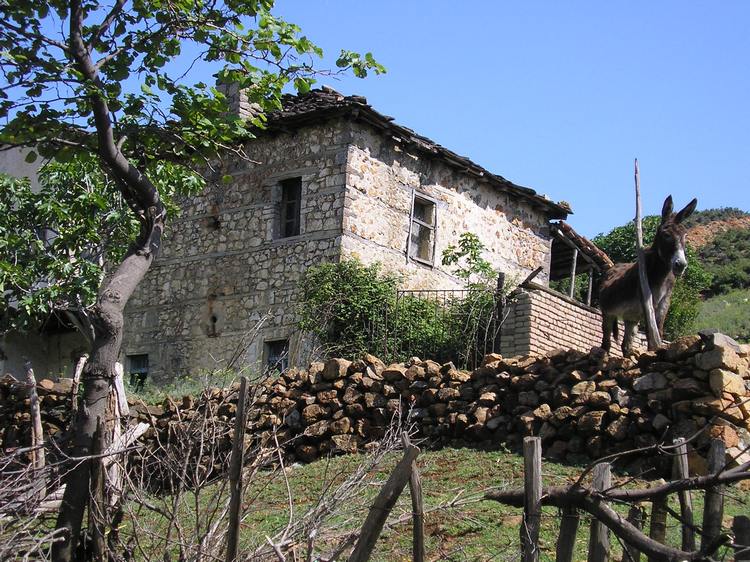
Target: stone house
<point x="330" y="178"/>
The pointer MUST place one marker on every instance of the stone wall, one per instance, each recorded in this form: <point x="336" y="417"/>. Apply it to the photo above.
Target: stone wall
<point x="582" y="405"/>
<point x="382" y="177"/>
<point x="540" y="319"/>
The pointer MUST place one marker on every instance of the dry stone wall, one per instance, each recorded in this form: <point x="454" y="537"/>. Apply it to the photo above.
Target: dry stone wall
<point x="540" y="319"/>
<point x="582" y="405"/>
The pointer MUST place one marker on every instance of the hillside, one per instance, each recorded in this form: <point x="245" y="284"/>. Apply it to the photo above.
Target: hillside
<point x="721" y="238"/>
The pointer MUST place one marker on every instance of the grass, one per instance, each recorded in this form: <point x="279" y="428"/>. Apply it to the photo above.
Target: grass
<point x="729" y="313"/>
<point x="475" y="530"/>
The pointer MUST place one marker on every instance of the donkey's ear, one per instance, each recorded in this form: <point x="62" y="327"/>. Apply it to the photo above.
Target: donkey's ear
<point x="666" y="210"/>
<point x="686" y="212"/>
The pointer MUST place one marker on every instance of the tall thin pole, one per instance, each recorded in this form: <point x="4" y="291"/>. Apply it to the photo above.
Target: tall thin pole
<point x="652" y="332"/>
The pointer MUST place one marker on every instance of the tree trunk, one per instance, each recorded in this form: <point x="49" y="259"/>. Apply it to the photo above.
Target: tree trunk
<point x="98" y="379"/>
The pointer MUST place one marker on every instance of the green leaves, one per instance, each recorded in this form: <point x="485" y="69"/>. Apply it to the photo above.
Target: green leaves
<point x="468" y="262"/>
<point x="54" y="243"/>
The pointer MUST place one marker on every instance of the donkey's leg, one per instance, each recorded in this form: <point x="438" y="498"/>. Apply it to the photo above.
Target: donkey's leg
<point x="661" y="312"/>
<point x="606" y="332"/>
<point x="627" y="338"/>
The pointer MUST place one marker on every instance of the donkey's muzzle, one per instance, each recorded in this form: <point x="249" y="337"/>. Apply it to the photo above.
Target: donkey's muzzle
<point x="679" y="267"/>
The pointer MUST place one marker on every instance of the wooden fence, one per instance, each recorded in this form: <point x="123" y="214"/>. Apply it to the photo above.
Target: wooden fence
<point x="595" y="498"/>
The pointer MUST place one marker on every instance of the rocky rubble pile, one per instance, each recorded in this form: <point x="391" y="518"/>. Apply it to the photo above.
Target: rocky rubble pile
<point x="582" y="405"/>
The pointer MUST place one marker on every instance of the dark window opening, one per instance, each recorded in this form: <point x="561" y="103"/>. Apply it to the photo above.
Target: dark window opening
<point x="423" y="224"/>
<point x="291" y="205"/>
<point x="277" y="355"/>
<point x="138" y="370"/>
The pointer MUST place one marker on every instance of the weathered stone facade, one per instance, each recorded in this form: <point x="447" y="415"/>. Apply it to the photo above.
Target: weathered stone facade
<point x="225" y="267"/>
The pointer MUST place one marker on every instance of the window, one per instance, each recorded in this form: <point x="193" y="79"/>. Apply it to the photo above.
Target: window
<point x="138" y="370"/>
<point x="291" y="204"/>
<point x="422" y="230"/>
<point x="277" y="355"/>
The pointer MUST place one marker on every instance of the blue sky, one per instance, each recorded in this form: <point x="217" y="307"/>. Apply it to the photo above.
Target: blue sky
<point x="561" y="96"/>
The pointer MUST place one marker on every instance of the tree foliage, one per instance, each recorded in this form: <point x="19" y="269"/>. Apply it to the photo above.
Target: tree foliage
<point x="619" y="244"/>
<point x="727" y="257"/>
<point x="111" y="79"/>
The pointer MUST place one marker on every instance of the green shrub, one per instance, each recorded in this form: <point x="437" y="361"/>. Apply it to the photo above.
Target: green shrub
<point x="344" y="305"/>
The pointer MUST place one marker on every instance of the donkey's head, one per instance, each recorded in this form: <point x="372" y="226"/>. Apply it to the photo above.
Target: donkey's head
<point x="670" y="236"/>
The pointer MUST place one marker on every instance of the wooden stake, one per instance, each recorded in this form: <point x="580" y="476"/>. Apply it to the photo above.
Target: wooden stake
<point x="382" y="506"/>
<point x="417" y="509"/>
<point x="635" y="517"/>
<point x="713" y="505"/>
<point x="680" y="472"/>
<point x="741" y="530"/>
<point x="37" y="436"/>
<point x="235" y="474"/>
<point x="652" y="331"/>
<point x="77" y="382"/>
<point x="567" y="540"/>
<point x="658" y="530"/>
<point x="532" y="508"/>
<point x="599" y="534"/>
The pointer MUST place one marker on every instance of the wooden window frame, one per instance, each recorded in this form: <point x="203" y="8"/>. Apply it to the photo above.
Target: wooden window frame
<point x="415" y="195"/>
<point x="285" y="202"/>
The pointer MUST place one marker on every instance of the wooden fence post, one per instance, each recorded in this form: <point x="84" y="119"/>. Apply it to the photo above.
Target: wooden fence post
<point x="680" y="471"/>
<point x="235" y="474"/>
<point x="567" y="540"/>
<point x="713" y="507"/>
<point x="599" y="534"/>
<point x="658" y="530"/>
<point x="635" y="517"/>
<point x="532" y="503"/>
<point x="37" y="435"/>
<point x="741" y="530"/>
<point x="382" y="506"/>
<point x="417" y="508"/>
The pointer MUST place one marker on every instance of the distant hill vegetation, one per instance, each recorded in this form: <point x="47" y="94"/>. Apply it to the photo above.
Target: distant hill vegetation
<point x="721" y="239"/>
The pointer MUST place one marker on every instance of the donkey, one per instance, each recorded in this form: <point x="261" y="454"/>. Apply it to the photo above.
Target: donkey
<point x="620" y="289"/>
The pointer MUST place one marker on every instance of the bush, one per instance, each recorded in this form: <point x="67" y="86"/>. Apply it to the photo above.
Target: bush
<point x="344" y="305"/>
<point x="351" y="308"/>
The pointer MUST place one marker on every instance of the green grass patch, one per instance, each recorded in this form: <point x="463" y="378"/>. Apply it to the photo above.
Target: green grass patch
<point x="474" y="529"/>
<point x="729" y="313"/>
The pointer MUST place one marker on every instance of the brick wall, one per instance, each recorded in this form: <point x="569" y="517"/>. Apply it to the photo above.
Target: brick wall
<point x="540" y="319"/>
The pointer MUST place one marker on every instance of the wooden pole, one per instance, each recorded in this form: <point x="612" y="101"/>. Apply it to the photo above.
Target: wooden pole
<point x="599" y="534"/>
<point x="713" y="505"/>
<point x="532" y="505"/>
<point x="658" y="530"/>
<point x="77" y="382"/>
<point x="590" y="289"/>
<point x="382" y="506"/>
<point x="573" y="265"/>
<point x="652" y="331"/>
<point x="741" y="530"/>
<point x="417" y="508"/>
<point x="680" y="472"/>
<point x="635" y="517"/>
<point x="567" y="540"/>
<point x="37" y="435"/>
<point x="235" y="475"/>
